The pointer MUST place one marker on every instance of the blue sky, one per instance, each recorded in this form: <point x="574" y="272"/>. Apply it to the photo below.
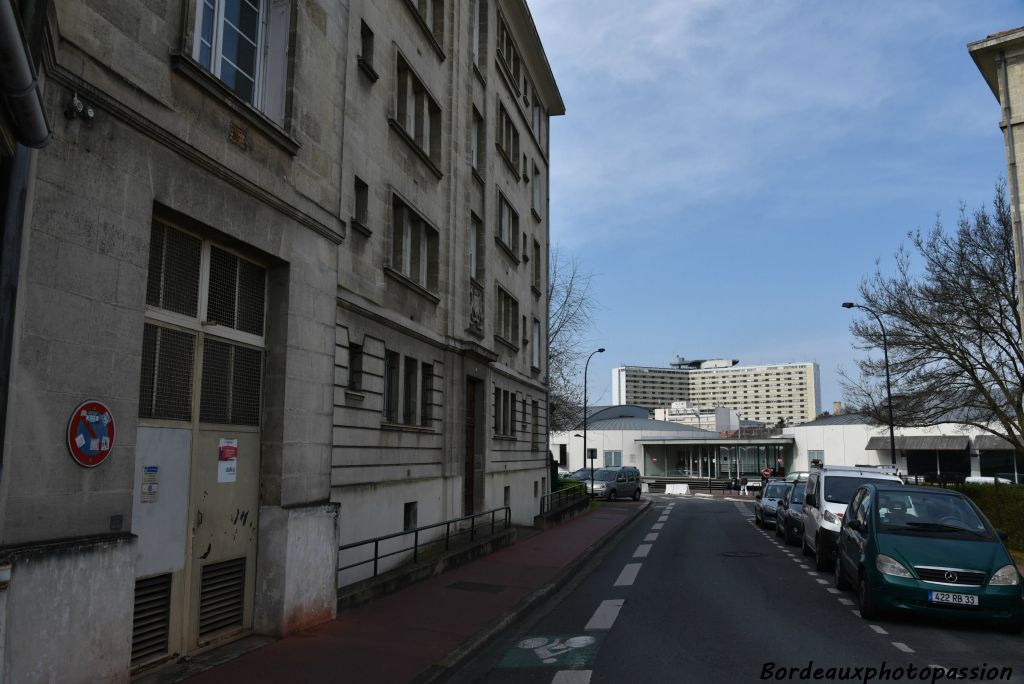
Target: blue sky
<point x="731" y="170"/>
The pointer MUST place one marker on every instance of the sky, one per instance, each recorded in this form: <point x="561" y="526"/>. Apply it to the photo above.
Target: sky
<point x="730" y="170"/>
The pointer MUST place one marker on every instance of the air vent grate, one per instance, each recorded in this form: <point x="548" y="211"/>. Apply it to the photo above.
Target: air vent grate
<point x="222" y="597"/>
<point x="151" y="620"/>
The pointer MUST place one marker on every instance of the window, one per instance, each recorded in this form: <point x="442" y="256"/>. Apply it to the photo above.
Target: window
<point x="391" y="363"/>
<point x="432" y="14"/>
<point x="536" y="203"/>
<point x="414" y="245"/>
<point x="508" y="224"/>
<point x="612" y="458"/>
<point x="479" y="31"/>
<point x="476" y="246"/>
<point x="508" y="54"/>
<point x="355" y="366"/>
<point x="215" y="300"/>
<point x="504" y="413"/>
<point x="508" y="137"/>
<point x="535" y="354"/>
<point x="537" y="271"/>
<point x="507" y="496"/>
<point x="536" y="116"/>
<point x="244" y="44"/>
<point x="477" y="140"/>
<point x="417" y="113"/>
<point x="409" y="516"/>
<point x="506" y="318"/>
<point x="535" y="424"/>
<point x="816" y="456"/>
<point x="365" y="44"/>
<point x="426" y="394"/>
<point x="411" y="374"/>
<point x="362" y="199"/>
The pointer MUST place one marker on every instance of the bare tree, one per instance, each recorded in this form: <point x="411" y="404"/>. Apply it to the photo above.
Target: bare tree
<point x="954" y="335"/>
<point x="570" y="315"/>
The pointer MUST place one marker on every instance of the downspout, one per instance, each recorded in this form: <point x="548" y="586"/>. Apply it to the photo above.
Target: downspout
<point x="19" y="88"/>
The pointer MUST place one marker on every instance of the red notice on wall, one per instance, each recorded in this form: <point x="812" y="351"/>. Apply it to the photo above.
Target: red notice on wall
<point x="227" y="460"/>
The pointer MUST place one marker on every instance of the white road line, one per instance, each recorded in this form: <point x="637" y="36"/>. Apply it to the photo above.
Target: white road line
<point x="812" y="573"/>
<point x="856" y="612"/>
<point x="572" y="677"/>
<point x="642" y="551"/>
<point x="846" y="601"/>
<point x="604" y="616"/>
<point x="653" y="536"/>
<point x="821" y="581"/>
<point x="903" y="647"/>
<point x="878" y="630"/>
<point x="832" y="590"/>
<point x="657" y="526"/>
<point x="628" y="575"/>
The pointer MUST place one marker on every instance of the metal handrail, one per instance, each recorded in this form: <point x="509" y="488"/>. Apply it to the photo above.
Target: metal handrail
<point x="561" y="496"/>
<point x="447" y="524"/>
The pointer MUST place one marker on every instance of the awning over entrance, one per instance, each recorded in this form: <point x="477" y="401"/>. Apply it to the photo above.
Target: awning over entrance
<point x="991" y="443"/>
<point x="920" y="443"/>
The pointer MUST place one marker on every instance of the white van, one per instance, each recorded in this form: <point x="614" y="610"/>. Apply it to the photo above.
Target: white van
<point x="825" y="498"/>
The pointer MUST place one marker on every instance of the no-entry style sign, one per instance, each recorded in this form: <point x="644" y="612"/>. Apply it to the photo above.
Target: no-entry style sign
<point x="90" y="433"/>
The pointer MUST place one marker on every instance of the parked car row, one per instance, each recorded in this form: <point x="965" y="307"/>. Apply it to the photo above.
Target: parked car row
<point x="900" y="548"/>
<point x="611" y="482"/>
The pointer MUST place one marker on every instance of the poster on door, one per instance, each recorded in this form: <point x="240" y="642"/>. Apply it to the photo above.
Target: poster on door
<point x="227" y="460"/>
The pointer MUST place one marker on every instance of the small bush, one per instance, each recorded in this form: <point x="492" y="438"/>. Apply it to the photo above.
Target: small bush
<point x="1004" y="506"/>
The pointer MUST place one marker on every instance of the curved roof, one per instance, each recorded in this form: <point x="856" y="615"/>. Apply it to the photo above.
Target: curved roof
<point x="647" y="425"/>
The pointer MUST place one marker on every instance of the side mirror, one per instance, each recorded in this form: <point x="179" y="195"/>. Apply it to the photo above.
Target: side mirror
<point x="1003" y="536"/>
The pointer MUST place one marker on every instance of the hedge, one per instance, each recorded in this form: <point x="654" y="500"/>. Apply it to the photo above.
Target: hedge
<point x="1004" y="506"/>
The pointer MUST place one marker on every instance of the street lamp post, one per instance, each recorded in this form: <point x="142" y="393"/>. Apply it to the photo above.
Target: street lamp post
<point x="888" y="383"/>
<point x="586" y="454"/>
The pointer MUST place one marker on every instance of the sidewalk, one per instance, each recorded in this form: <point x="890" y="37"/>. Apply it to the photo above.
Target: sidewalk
<point x="421" y="631"/>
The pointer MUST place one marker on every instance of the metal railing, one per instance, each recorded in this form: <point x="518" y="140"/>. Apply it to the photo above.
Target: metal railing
<point x="559" y="498"/>
<point x="415" y="532"/>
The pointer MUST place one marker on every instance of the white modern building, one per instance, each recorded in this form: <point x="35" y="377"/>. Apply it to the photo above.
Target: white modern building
<point x="713" y="418"/>
<point x="764" y="393"/>
<point x="928" y="452"/>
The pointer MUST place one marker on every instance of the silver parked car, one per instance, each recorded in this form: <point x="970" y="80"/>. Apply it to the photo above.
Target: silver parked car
<point x="618" y="482"/>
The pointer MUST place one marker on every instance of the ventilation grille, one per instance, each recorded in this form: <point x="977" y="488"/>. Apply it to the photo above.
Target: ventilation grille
<point x="174" y="261"/>
<point x="237" y="292"/>
<point x="222" y="597"/>
<point x="232" y="376"/>
<point x="151" y="621"/>
<point x="165" y="386"/>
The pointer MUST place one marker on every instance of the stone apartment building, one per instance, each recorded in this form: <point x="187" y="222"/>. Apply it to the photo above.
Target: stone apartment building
<point x="275" y="282"/>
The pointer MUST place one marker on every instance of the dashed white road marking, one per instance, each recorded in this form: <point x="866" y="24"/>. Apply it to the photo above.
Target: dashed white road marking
<point x="642" y="551"/>
<point x="903" y="647"/>
<point x="572" y="677"/>
<point x="832" y="590"/>
<point x="846" y="601"/>
<point x="628" y="575"/>
<point x="878" y="630"/>
<point x="821" y="581"/>
<point x="657" y="526"/>
<point x="653" y="536"/>
<point x="604" y="616"/>
<point x="856" y="612"/>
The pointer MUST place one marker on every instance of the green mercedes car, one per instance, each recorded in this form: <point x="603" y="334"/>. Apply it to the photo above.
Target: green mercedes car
<point x="928" y="551"/>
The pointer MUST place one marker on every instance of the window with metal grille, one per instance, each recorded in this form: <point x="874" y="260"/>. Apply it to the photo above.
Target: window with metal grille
<point x="222" y="596"/>
<point x="174" y="264"/>
<point x="151" y="618"/>
<point x="391" y="362"/>
<point x="237" y="292"/>
<point x="166" y="381"/>
<point x="411" y="373"/>
<point x="232" y="376"/>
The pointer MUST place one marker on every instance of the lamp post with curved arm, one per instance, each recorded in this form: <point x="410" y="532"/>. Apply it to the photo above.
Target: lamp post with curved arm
<point x="585" y="454"/>
<point x="888" y="383"/>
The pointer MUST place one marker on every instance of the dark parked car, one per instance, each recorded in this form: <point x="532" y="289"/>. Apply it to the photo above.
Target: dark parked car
<point x="789" y="514"/>
<point x="766" y="501"/>
<point x="927" y="551"/>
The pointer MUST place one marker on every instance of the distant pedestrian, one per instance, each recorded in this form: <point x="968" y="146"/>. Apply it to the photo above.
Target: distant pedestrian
<point x="743" y="486"/>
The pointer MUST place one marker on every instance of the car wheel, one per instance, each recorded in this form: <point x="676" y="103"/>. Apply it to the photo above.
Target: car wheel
<point x="611" y="495"/>
<point x="840" y="580"/>
<point x="636" y="494"/>
<point x="757" y="519"/>
<point x="868" y="609"/>
<point x="820" y="559"/>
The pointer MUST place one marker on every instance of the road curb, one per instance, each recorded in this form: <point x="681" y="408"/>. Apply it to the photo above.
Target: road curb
<point x="444" y="667"/>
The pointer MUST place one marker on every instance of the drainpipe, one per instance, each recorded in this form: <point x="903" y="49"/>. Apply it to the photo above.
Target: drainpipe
<point x="22" y="96"/>
<point x="5" y="580"/>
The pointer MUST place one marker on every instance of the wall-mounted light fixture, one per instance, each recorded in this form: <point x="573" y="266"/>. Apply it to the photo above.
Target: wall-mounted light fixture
<point x="78" y="108"/>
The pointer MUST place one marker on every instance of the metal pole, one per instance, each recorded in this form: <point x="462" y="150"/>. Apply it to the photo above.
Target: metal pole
<point x="888" y="381"/>
<point x="586" y="454"/>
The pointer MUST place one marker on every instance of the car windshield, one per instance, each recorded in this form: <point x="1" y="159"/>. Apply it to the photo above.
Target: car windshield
<point x="841" y="489"/>
<point x="929" y="514"/>
<point x="605" y="475"/>
<point x="774" y="491"/>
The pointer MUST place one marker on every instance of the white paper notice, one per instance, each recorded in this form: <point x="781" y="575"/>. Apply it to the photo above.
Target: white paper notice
<point x="227" y="460"/>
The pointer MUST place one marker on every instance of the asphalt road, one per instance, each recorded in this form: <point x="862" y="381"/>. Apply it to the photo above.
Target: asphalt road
<point x="694" y="592"/>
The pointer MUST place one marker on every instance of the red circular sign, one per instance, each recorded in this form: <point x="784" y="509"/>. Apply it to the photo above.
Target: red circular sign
<point x="767" y="471"/>
<point x="90" y="433"/>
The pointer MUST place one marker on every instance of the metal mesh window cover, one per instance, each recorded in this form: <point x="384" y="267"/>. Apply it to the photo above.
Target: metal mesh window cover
<point x="151" y="618"/>
<point x="165" y="384"/>
<point x="222" y="596"/>
<point x="174" y="263"/>
<point x="232" y="379"/>
<point x="237" y="292"/>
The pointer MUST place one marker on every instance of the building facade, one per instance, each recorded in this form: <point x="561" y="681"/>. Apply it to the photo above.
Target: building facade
<point x="767" y="393"/>
<point x="255" y="276"/>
